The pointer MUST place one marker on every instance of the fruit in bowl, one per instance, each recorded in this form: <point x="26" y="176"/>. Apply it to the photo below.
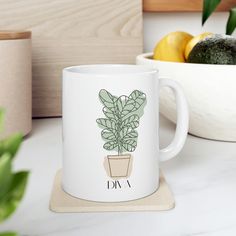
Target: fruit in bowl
<point x="216" y="49"/>
<point x="206" y="48"/>
<point x="209" y="88"/>
<point x="172" y="47"/>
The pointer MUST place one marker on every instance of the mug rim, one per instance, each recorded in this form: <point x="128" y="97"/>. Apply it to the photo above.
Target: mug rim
<point x="130" y="69"/>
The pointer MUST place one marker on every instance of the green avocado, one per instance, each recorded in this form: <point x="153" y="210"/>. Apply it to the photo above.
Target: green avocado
<point x="216" y="49"/>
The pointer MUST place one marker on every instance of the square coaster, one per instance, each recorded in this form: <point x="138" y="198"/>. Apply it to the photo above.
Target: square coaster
<point x="60" y="201"/>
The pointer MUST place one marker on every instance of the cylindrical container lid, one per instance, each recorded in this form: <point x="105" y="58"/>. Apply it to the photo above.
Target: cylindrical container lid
<point x="8" y="35"/>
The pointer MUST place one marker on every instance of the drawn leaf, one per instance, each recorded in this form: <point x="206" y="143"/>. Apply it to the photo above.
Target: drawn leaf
<point x="138" y="97"/>
<point x="132" y="121"/>
<point x="132" y="134"/>
<point x="109" y="114"/>
<point x="110" y="145"/>
<point x="124" y="132"/>
<point x="106" y="123"/>
<point x="128" y="133"/>
<point x="125" y="105"/>
<point x="129" y="145"/>
<point x="107" y="99"/>
<point x="108" y="134"/>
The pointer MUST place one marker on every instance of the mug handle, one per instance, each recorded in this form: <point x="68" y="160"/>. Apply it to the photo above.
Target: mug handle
<point x="182" y="122"/>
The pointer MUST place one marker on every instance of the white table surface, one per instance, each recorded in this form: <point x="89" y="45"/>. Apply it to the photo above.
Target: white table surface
<point x="202" y="178"/>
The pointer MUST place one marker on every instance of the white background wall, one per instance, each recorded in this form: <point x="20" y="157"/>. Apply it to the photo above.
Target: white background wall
<point x="156" y="25"/>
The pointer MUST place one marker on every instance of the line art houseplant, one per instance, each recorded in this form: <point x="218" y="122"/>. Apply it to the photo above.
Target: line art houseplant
<point x="119" y="128"/>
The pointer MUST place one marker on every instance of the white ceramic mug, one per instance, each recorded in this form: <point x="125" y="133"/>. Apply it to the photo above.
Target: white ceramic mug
<point x="110" y="131"/>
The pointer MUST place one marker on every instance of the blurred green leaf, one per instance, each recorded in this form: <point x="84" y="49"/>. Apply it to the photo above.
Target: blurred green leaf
<point x="5" y="174"/>
<point x="11" y="144"/>
<point x="208" y="7"/>
<point x="231" y="23"/>
<point x="10" y="201"/>
<point x="9" y="234"/>
<point x="12" y="185"/>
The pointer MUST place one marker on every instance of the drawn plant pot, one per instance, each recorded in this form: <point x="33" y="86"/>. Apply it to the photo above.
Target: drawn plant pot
<point x="119" y="165"/>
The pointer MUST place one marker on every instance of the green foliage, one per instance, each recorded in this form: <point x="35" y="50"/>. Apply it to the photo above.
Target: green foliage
<point x="231" y="23"/>
<point x="5" y="175"/>
<point x="11" y="145"/>
<point x="122" y="118"/>
<point x="12" y="184"/>
<point x="208" y="8"/>
<point x="13" y="194"/>
<point x="8" y="234"/>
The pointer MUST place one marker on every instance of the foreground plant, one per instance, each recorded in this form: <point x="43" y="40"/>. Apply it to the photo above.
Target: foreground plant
<point x="12" y="184"/>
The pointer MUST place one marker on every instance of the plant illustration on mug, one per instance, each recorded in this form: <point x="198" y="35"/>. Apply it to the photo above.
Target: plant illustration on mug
<point x="123" y="115"/>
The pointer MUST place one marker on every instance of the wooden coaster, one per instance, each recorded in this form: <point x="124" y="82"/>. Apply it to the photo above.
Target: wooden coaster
<point x="60" y="201"/>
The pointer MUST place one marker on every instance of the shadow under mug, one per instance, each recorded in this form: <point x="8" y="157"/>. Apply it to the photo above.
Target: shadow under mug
<point x="110" y="131"/>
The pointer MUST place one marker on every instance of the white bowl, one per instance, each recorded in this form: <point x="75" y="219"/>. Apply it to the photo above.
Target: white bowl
<point x="210" y="91"/>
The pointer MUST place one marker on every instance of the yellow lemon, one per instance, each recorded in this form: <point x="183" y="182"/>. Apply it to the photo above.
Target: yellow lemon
<point x="172" y="47"/>
<point x="194" y="41"/>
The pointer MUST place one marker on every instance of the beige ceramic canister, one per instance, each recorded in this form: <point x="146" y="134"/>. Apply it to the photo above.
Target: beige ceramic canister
<point x="16" y="81"/>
